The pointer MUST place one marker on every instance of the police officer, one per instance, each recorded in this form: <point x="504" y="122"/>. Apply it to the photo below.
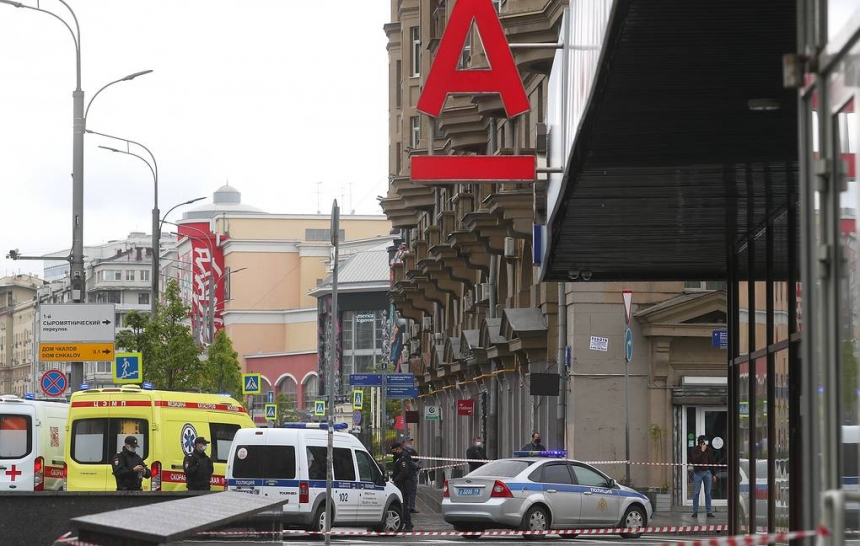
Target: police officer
<point x="402" y="478"/>
<point x="198" y="467"/>
<point x="129" y="468"/>
<point x="410" y="447"/>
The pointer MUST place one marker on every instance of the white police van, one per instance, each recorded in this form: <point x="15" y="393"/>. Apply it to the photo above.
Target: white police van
<point x="32" y="434"/>
<point x="291" y="462"/>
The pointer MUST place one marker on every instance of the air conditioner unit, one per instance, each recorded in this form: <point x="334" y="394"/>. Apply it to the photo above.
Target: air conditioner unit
<point x="482" y="292"/>
<point x="510" y="247"/>
<point x="427" y="324"/>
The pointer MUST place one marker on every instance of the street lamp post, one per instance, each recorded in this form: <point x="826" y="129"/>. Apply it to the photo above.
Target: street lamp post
<point x="156" y="215"/>
<point x="78" y="284"/>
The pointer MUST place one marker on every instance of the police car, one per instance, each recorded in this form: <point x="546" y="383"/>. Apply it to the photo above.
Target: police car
<point x="291" y="463"/>
<point x="540" y="491"/>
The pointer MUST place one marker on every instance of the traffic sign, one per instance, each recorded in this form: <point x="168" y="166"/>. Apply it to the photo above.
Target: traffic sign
<point x="628" y="345"/>
<point x="53" y="383"/>
<point x="628" y="304"/>
<point x="401" y="379"/>
<point x="78" y="322"/>
<point x="365" y="379"/>
<point x="251" y="383"/>
<point x="356" y="418"/>
<point x="271" y="412"/>
<point x="76" y="352"/>
<point x="270" y="397"/>
<point x="319" y="407"/>
<point x="398" y="391"/>
<point x="128" y="368"/>
<point x="357" y="400"/>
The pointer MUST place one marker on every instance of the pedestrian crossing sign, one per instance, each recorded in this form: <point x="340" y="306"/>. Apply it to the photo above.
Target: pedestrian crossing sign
<point x="251" y="383"/>
<point x="319" y="407"/>
<point x="128" y="368"/>
<point x="357" y="399"/>
<point x="271" y="412"/>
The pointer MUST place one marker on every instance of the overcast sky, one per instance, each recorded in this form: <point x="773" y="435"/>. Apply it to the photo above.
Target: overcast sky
<point x="270" y="95"/>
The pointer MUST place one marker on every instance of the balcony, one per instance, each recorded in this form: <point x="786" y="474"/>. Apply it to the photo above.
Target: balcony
<point x="535" y="21"/>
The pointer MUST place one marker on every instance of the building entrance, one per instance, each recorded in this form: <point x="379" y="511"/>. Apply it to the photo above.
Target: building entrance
<point x="712" y="422"/>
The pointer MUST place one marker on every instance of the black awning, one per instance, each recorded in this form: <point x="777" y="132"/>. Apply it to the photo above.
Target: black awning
<point x="670" y="155"/>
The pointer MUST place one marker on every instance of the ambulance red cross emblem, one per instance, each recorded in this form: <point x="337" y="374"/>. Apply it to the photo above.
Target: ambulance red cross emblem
<point x="14" y="472"/>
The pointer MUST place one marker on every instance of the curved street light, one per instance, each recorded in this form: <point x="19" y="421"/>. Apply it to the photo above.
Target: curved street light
<point x="78" y="284"/>
<point x="156" y="216"/>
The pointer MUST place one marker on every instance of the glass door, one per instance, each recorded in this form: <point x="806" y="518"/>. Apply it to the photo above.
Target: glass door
<point x="711" y="422"/>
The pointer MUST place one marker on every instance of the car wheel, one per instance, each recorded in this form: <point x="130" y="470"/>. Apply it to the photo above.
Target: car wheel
<point x="318" y="523"/>
<point x="536" y="519"/>
<point x="633" y="518"/>
<point x="392" y="520"/>
<point x="469" y="529"/>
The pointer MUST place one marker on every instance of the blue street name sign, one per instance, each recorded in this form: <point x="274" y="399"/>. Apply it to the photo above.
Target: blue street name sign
<point x="720" y="339"/>
<point x="365" y="379"/>
<point x="400" y="379"/>
<point x="397" y="391"/>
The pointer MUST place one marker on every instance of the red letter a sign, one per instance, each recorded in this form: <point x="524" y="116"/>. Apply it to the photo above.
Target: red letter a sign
<point x="502" y="77"/>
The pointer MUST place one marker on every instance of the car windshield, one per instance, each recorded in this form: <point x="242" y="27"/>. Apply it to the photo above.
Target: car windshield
<point x="502" y="469"/>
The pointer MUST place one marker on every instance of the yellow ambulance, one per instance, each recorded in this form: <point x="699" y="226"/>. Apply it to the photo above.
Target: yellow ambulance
<point x="165" y="423"/>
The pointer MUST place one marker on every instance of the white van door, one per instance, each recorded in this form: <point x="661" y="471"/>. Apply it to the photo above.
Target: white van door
<point x="268" y="470"/>
<point x="17" y="449"/>
<point x="371" y="495"/>
<point x="345" y="483"/>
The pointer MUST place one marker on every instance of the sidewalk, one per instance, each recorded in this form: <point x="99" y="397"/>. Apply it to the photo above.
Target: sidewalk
<point x="429" y="516"/>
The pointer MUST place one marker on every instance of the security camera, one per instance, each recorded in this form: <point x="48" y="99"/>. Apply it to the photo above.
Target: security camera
<point x="586" y="275"/>
<point x="573" y="274"/>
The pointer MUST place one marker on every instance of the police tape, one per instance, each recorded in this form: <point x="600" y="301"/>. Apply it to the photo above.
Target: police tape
<point x="464" y="461"/>
<point x="753" y="540"/>
<point x="491" y="533"/>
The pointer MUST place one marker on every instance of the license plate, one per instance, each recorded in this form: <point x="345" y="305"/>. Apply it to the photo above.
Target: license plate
<point x="249" y="491"/>
<point x="468" y="492"/>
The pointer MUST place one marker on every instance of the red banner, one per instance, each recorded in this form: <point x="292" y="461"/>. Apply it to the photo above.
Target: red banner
<point x="465" y="407"/>
<point x="205" y="260"/>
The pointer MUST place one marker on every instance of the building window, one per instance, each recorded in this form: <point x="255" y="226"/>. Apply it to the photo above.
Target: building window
<point x="416" y="51"/>
<point x="109" y="296"/>
<point x="397" y="161"/>
<point x="110" y="275"/>
<point x="144" y="274"/>
<point x="398" y="79"/>
<point x="415" y="132"/>
<point x="466" y="55"/>
<point x="310" y="390"/>
<point x="143" y="298"/>
<point x="129" y="275"/>
<point x="704" y="285"/>
<point x="437" y="128"/>
<point x="103" y="367"/>
<point x="323" y="235"/>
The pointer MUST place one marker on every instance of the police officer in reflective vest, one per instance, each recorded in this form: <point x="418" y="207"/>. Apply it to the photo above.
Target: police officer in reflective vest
<point x="129" y="468"/>
<point x="198" y="467"/>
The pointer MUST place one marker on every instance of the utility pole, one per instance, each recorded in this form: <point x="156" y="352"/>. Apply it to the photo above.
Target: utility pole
<point x="335" y="227"/>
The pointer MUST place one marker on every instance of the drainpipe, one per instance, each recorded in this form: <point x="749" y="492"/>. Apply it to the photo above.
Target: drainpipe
<point x="561" y="407"/>
<point x="492" y="439"/>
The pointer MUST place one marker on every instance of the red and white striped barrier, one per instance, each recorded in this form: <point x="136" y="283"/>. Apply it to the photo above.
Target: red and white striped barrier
<point x="752" y="540"/>
<point x="492" y="533"/>
<point x="464" y="461"/>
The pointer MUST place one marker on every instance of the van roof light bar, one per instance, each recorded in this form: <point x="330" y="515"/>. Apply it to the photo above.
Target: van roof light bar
<point x="318" y="426"/>
<point x="556" y="453"/>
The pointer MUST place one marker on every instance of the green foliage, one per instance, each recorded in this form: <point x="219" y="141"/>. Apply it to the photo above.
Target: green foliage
<point x="169" y="352"/>
<point x="849" y="384"/>
<point x="221" y="369"/>
<point x="287" y="411"/>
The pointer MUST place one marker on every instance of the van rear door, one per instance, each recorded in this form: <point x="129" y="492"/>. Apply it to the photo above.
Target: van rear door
<point x="267" y="470"/>
<point x="16" y="448"/>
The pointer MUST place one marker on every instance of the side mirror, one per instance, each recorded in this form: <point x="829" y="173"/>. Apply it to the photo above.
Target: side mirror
<point x="612" y="483"/>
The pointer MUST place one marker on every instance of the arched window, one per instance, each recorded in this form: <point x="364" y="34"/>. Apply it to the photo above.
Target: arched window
<point x="310" y="390"/>
<point x="287" y="387"/>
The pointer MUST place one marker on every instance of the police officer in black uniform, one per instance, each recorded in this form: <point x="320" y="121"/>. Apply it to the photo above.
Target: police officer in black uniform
<point x="129" y="468"/>
<point x="402" y="478"/>
<point x="198" y="467"/>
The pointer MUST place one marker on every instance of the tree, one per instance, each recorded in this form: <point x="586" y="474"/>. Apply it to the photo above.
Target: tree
<point x="173" y="362"/>
<point x="222" y="371"/>
<point x="135" y="338"/>
<point x="287" y="412"/>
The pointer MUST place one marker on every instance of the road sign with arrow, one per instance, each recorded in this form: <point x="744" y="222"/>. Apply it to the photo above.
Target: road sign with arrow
<point x="77" y="322"/>
<point x="76" y="352"/>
